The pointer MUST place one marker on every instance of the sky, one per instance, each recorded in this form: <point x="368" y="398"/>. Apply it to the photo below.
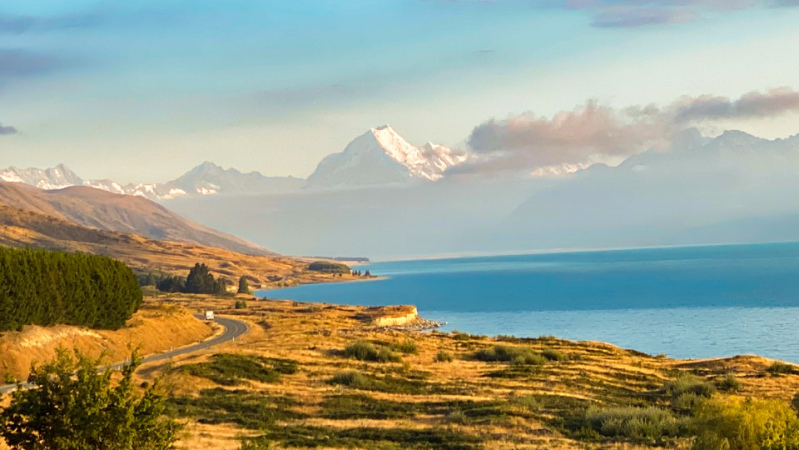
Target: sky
<point x="141" y="91"/>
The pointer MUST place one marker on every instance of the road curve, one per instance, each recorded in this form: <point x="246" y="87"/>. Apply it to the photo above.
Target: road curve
<point x="233" y="329"/>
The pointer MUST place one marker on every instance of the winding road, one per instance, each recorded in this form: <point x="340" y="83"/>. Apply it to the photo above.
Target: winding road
<point x="233" y="329"/>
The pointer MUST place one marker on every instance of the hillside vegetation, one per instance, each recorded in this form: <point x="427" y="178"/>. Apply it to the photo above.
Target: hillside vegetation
<point x="46" y="288"/>
<point x="155" y="328"/>
<point x="98" y="209"/>
<point x="323" y="376"/>
<point x="22" y="228"/>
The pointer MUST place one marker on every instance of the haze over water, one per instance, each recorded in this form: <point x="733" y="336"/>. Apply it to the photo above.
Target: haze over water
<point x="690" y="302"/>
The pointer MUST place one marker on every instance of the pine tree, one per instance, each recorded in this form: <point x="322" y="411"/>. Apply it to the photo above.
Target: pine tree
<point x="244" y="286"/>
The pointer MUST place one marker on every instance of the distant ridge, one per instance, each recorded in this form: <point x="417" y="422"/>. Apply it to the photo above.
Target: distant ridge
<point x="21" y="228"/>
<point x="203" y="180"/>
<point x="102" y="210"/>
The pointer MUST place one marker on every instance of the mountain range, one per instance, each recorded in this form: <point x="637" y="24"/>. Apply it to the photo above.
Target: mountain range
<point x="379" y="157"/>
<point x="101" y="210"/>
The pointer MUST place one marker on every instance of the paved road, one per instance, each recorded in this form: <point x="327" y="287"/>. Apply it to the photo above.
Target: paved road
<point x="233" y="329"/>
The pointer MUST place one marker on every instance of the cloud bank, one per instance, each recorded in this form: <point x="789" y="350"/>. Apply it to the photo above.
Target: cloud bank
<point x="594" y="132"/>
<point x="4" y="130"/>
<point x="639" y="13"/>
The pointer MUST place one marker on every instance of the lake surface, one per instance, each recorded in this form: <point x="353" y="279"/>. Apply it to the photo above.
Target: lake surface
<point x="690" y="302"/>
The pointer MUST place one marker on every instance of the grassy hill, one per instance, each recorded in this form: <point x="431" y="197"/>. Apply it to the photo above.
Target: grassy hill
<point x="323" y="376"/>
<point x="20" y="228"/>
<point x="94" y="208"/>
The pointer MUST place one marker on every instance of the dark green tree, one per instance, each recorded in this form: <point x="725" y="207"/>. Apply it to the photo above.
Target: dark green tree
<point x="244" y="286"/>
<point x="201" y="281"/>
<point x="171" y="284"/>
<point x="46" y="288"/>
<point x="72" y="406"/>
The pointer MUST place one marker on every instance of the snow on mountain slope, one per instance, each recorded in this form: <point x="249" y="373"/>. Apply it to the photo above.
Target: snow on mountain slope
<point x="382" y="156"/>
<point x="57" y="177"/>
<point x="205" y="179"/>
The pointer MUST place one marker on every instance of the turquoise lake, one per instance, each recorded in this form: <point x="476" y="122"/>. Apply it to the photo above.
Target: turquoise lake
<point x="690" y="302"/>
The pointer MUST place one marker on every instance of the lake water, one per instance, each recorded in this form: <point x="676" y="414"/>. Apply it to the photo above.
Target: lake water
<point x="690" y="302"/>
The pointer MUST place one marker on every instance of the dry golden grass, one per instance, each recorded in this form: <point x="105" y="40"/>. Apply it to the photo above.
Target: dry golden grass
<point x="20" y="228"/>
<point x="155" y="328"/>
<point x="313" y="335"/>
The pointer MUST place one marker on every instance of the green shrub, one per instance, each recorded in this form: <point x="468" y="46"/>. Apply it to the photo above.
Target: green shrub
<point x="388" y="384"/>
<point x="517" y="356"/>
<point x="686" y="402"/>
<point x="460" y="336"/>
<point x="407" y="346"/>
<point x="689" y="383"/>
<point x="294" y="436"/>
<point x="737" y="423"/>
<point x="640" y="424"/>
<point x="780" y="368"/>
<point x="366" y="351"/>
<point x="254" y="411"/>
<point x="241" y="304"/>
<point x="229" y="369"/>
<point x="554" y="355"/>
<point x="729" y="383"/>
<point x="444" y="356"/>
<point x="529" y="402"/>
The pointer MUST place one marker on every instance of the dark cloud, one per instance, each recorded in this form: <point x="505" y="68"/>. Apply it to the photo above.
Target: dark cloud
<point x="16" y="63"/>
<point x="103" y="14"/>
<point x="4" y="130"/>
<point x="753" y="104"/>
<point x="594" y="132"/>
<point x="636" y="13"/>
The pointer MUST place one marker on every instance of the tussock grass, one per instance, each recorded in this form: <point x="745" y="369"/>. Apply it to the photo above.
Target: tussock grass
<point x="230" y="369"/>
<point x="366" y="351"/>
<point x="517" y="356"/>
<point x="372" y="438"/>
<point x="246" y="409"/>
<point x="444" y="356"/>
<point x="648" y="424"/>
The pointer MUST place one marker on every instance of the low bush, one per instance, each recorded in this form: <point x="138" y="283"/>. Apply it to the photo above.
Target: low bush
<point x="407" y="346"/>
<point x="373" y="438"/>
<point x="388" y="384"/>
<point x="240" y="304"/>
<point x="639" y="424"/>
<point x="554" y="355"/>
<point x="688" y="383"/>
<point x="229" y="369"/>
<point x="729" y="383"/>
<point x="517" y="356"/>
<point x="780" y="368"/>
<point x="444" y="356"/>
<point x="253" y="411"/>
<point x="737" y="423"/>
<point x="366" y="351"/>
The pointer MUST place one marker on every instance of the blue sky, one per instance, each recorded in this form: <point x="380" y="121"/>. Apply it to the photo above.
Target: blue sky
<point x="144" y="90"/>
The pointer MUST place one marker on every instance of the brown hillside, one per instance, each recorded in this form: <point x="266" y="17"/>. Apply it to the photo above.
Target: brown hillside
<point x="20" y="228"/>
<point x="103" y="210"/>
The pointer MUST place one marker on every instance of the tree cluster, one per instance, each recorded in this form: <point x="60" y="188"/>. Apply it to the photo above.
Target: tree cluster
<point x="329" y="267"/>
<point x="199" y="281"/>
<point x="46" y="288"/>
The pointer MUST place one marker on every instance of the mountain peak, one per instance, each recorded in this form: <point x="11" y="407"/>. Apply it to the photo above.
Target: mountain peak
<point x="382" y="156"/>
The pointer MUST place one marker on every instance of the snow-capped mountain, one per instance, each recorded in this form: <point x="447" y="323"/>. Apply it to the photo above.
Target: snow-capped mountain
<point x="57" y="177"/>
<point x="205" y="179"/>
<point x="382" y="157"/>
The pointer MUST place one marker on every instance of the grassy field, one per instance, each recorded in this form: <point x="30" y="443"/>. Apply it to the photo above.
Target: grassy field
<point x="322" y="376"/>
